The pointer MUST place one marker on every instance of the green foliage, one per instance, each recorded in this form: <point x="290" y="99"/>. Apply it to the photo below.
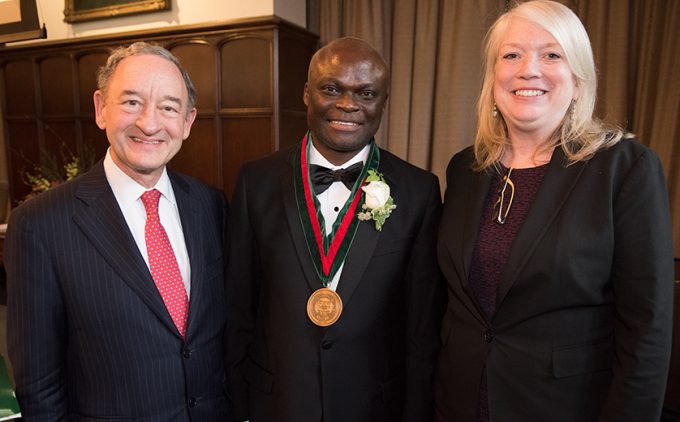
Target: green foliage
<point x="374" y="176"/>
<point x="54" y="171"/>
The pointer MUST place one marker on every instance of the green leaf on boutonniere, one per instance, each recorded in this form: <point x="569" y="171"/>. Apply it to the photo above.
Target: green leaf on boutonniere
<point x="374" y="176"/>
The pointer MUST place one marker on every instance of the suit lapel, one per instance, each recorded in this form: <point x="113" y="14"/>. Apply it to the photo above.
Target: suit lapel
<point x="192" y="227"/>
<point x="465" y="240"/>
<point x="473" y="215"/>
<point x="558" y="183"/>
<point x="295" y="224"/>
<point x="364" y="242"/>
<point x="358" y="257"/>
<point x="103" y="224"/>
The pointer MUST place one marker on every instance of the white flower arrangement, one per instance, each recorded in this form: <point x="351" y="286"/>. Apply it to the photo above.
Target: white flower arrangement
<point x="378" y="204"/>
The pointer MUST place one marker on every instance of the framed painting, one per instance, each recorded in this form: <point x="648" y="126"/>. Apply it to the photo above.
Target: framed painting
<point x="19" y="21"/>
<point x="86" y="10"/>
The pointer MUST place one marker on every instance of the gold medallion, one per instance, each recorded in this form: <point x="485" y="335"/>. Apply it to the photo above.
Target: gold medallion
<point x="324" y="307"/>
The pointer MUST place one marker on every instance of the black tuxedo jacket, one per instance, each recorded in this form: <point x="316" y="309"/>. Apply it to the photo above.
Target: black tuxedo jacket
<point x="582" y="325"/>
<point x="375" y="363"/>
<point x="89" y="335"/>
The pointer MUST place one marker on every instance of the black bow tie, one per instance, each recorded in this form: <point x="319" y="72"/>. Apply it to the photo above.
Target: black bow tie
<point x="323" y="177"/>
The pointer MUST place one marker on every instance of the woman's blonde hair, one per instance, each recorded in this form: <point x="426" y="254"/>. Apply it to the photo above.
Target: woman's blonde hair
<point x="580" y="135"/>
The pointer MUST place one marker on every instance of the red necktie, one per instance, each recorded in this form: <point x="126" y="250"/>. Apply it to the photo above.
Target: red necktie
<point x="164" y="268"/>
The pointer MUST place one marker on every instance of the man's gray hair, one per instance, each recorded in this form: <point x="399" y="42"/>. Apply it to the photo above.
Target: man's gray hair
<point x="142" y="48"/>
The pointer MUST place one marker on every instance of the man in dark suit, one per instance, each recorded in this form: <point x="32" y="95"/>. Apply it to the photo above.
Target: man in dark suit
<point x="335" y="294"/>
<point x="116" y="305"/>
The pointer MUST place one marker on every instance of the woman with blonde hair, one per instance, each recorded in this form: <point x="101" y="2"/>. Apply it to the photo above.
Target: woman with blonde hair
<point x="555" y="242"/>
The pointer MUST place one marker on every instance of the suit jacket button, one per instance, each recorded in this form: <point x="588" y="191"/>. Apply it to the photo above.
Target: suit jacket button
<point x="186" y="353"/>
<point x="488" y="336"/>
<point x="326" y="345"/>
<point x="192" y="402"/>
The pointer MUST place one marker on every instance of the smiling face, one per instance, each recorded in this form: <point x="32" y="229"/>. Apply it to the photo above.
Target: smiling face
<point x="533" y="84"/>
<point x="145" y="115"/>
<point x="345" y="96"/>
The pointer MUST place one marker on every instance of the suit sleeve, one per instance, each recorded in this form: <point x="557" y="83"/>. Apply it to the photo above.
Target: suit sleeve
<point x="242" y="298"/>
<point x="642" y="276"/>
<point x="36" y="323"/>
<point x="426" y="303"/>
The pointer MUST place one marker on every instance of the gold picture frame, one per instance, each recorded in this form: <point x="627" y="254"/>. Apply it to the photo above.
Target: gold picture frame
<point x="86" y="10"/>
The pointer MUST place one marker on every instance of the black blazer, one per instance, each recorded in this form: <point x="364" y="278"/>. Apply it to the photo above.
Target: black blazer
<point x="89" y="335"/>
<point x="582" y="327"/>
<point x="375" y="363"/>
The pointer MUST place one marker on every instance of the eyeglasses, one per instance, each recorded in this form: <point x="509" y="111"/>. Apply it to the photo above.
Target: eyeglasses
<point x="500" y="207"/>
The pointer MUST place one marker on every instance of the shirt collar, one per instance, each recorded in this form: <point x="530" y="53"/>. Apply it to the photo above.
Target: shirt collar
<point x="316" y="158"/>
<point x="126" y="190"/>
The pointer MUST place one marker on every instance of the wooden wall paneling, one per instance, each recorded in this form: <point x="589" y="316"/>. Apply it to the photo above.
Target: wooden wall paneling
<point x="56" y="110"/>
<point x="294" y="55"/>
<point x="22" y="136"/>
<point x="56" y="86"/>
<point x="91" y="141"/>
<point x="200" y="152"/>
<point x="246" y="100"/>
<point x="293" y="126"/>
<point x="295" y="51"/>
<point x="88" y="62"/>
<point x="93" y="138"/>
<point x="19" y="87"/>
<point x="242" y="141"/>
<point x="199" y="156"/>
<point x="249" y="75"/>
<point x="198" y="57"/>
<point x="23" y="151"/>
<point x="60" y="138"/>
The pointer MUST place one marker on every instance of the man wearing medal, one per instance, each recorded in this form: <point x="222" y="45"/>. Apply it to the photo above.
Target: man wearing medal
<point x="334" y="292"/>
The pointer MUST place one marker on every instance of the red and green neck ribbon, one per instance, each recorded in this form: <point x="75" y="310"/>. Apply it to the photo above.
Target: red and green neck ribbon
<point x="328" y="252"/>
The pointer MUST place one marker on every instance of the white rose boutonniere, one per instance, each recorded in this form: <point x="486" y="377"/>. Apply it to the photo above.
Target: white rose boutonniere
<point x="378" y="204"/>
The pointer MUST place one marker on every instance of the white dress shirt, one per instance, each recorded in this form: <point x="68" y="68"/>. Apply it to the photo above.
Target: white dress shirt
<point x="128" y="195"/>
<point x="333" y="199"/>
